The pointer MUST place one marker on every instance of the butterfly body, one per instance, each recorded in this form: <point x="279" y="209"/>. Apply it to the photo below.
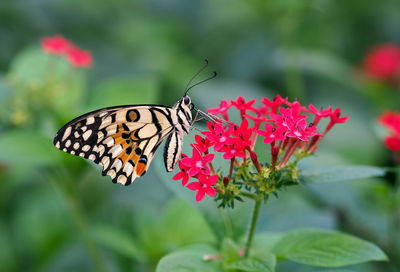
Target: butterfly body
<point x="124" y="139"/>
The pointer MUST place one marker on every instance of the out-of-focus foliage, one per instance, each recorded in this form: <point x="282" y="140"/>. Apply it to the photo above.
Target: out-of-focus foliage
<point x="59" y="214"/>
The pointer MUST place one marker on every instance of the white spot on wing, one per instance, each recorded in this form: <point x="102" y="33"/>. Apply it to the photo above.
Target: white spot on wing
<point x="128" y="168"/>
<point x="105" y="162"/>
<point x="76" y="145"/>
<point x="116" y="150"/>
<point x="66" y="133"/>
<point x="121" y="179"/>
<point x="109" y="141"/>
<point x="68" y="143"/>
<point x="117" y="165"/>
<point x="87" y="134"/>
<point x="90" y="120"/>
<point x="86" y="148"/>
<point x="92" y="157"/>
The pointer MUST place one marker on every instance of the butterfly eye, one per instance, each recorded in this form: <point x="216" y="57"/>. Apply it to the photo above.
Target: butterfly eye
<point x="186" y="100"/>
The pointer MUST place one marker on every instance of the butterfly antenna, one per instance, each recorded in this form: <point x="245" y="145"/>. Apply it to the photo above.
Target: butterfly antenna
<point x="207" y="79"/>
<point x="201" y="70"/>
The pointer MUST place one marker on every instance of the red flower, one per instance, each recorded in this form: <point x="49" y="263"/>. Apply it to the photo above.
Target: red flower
<point x="383" y="62"/>
<point x="204" y="186"/>
<point x="392" y="142"/>
<point x="258" y="119"/>
<point x="198" y="164"/>
<point x="272" y="134"/>
<point x="336" y="119"/>
<point x="222" y="109"/>
<point x="57" y="45"/>
<point x="234" y="150"/>
<point x="79" y="58"/>
<point x="301" y="131"/>
<point x="202" y="144"/>
<point x="286" y="119"/>
<point x="243" y="133"/>
<point x="273" y="105"/>
<point x="218" y="136"/>
<point x="242" y="105"/>
<point x="391" y="120"/>
<point x="183" y="173"/>
<point x="319" y="114"/>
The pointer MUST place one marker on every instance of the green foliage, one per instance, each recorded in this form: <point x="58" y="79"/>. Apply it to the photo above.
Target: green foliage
<point x="26" y="146"/>
<point x="189" y="259"/>
<point x="323" y="248"/>
<point x="340" y="173"/>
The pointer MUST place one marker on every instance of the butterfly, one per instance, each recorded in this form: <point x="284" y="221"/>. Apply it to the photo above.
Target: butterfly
<point x="124" y="139"/>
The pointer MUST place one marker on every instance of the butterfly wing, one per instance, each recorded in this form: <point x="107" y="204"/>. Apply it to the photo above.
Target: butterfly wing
<point x="173" y="150"/>
<point x="121" y="139"/>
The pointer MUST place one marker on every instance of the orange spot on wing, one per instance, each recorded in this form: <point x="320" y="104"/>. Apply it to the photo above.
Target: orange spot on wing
<point x="140" y="168"/>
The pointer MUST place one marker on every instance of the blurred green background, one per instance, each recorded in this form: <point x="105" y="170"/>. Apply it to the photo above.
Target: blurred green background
<point x="59" y="214"/>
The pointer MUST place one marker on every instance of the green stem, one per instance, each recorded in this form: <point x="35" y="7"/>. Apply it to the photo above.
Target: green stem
<point x="252" y="227"/>
<point x="227" y="223"/>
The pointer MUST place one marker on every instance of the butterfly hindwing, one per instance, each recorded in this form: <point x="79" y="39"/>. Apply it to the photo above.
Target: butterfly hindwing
<point x="122" y="139"/>
<point x="173" y="150"/>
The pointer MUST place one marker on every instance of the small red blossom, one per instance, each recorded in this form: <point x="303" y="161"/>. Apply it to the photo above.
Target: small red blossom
<point x="218" y="135"/>
<point x="56" y="45"/>
<point x="392" y="142"/>
<point x="274" y="104"/>
<point x="183" y="173"/>
<point x="202" y="144"/>
<point x="258" y="119"/>
<point x="383" y="61"/>
<point x="272" y="134"/>
<point x="302" y="131"/>
<point x="243" y="133"/>
<point x="336" y="119"/>
<point x="242" y="105"/>
<point x="197" y="164"/>
<point x="319" y="113"/>
<point x="222" y="109"/>
<point x="203" y="186"/>
<point x="79" y="58"/>
<point x="234" y="150"/>
<point x="391" y="120"/>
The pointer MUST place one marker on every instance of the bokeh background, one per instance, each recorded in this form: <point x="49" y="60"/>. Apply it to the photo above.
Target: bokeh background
<point x="59" y="214"/>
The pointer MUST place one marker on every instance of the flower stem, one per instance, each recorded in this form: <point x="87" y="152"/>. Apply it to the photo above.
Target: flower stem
<point x="252" y="227"/>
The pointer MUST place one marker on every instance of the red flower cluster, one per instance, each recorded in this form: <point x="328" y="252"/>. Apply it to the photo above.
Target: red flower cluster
<point x="60" y="46"/>
<point x="286" y="131"/>
<point x="391" y="120"/>
<point x="383" y="62"/>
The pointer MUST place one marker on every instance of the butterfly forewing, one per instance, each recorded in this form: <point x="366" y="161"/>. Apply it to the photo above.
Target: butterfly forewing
<point x="122" y="139"/>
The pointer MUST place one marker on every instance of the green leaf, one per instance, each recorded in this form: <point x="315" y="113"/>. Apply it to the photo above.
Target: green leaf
<point x="254" y="265"/>
<point x="180" y="221"/>
<point x="263" y="242"/>
<point x="324" y="248"/>
<point x="124" y="91"/>
<point x="117" y="240"/>
<point x="190" y="259"/>
<point x="21" y="146"/>
<point x="229" y="251"/>
<point x="340" y="173"/>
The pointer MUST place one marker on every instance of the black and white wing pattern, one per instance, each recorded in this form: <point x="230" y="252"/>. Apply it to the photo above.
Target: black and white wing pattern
<point x="122" y="140"/>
